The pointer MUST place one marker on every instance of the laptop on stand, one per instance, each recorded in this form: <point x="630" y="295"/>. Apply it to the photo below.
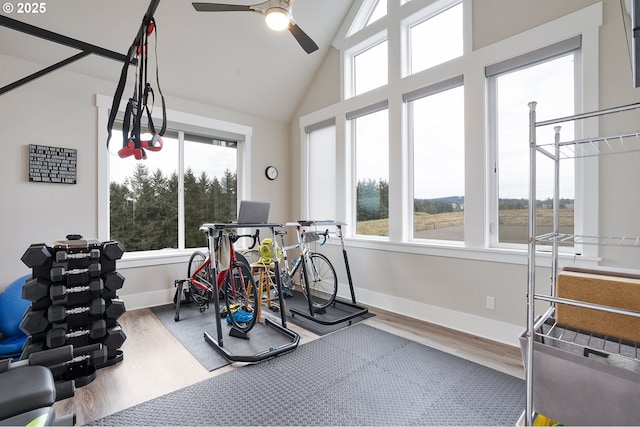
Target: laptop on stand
<point x="253" y="212"/>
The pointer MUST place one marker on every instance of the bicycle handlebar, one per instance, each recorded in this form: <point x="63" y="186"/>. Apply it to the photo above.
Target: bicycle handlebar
<point x="256" y="237"/>
<point x="324" y="234"/>
<point x="315" y="234"/>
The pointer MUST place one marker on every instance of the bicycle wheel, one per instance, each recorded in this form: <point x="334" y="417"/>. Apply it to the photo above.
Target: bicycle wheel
<point x="251" y="255"/>
<point x="241" y="297"/>
<point x="323" y="282"/>
<point x="200" y="296"/>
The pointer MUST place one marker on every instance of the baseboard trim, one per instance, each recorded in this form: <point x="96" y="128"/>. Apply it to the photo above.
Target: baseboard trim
<point x="148" y="299"/>
<point x="494" y="330"/>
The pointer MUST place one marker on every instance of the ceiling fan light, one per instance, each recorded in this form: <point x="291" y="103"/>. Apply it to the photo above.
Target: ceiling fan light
<point x="277" y="18"/>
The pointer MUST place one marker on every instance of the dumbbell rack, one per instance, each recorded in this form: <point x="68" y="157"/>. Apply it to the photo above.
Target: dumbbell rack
<point x="354" y="310"/>
<point x="74" y="301"/>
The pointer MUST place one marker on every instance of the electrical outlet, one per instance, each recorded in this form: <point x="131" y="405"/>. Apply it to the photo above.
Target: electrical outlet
<point x="491" y="303"/>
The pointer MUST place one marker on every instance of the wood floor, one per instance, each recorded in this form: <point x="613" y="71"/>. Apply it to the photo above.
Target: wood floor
<point x="155" y="363"/>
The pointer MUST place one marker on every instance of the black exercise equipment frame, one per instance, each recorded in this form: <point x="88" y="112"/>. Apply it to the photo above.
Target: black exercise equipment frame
<point x="214" y="235"/>
<point x="311" y="315"/>
<point x="86" y="48"/>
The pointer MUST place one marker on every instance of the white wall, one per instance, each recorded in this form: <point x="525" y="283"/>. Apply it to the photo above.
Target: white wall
<point x="55" y="110"/>
<point x="59" y="110"/>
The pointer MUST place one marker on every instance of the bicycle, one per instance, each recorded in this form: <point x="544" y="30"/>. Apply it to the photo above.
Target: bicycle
<point x="251" y="254"/>
<point x="199" y="295"/>
<point x="318" y="273"/>
<point x="235" y="284"/>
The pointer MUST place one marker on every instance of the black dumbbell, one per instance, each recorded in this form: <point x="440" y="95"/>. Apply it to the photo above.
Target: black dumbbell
<point x="93" y="354"/>
<point x="80" y="274"/>
<point x="30" y="347"/>
<point x="96" y="354"/>
<point x="59" y="293"/>
<point x="62" y="256"/>
<point x="113" y="281"/>
<point x="113" y="340"/>
<point x="59" y="335"/>
<point x="36" y="255"/>
<point x="35" y="289"/>
<point x="97" y="357"/>
<point x="58" y="313"/>
<point x="114" y="309"/>
<point x="112" y="250"/>
<point x="34" y="322"/>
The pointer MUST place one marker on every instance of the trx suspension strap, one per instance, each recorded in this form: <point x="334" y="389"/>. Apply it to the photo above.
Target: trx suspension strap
<point x="132" y="143"/>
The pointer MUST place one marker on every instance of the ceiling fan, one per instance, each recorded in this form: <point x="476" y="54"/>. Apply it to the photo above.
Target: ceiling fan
<point x="277" y="15"/>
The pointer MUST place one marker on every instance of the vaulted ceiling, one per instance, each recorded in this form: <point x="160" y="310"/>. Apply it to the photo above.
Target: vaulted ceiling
<point x="227" y="59"/>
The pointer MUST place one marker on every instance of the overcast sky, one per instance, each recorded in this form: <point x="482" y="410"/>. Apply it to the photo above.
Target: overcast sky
<point x="199" y="157"/>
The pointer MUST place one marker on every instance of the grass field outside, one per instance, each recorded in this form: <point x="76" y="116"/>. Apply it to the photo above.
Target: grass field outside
<point x="426" y="222"/>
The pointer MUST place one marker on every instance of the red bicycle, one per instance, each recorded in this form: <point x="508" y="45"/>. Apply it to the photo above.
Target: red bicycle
<point x="234" y="284"/>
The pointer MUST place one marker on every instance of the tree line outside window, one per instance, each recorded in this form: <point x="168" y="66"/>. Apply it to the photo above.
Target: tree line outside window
<point x="144" y="208"/>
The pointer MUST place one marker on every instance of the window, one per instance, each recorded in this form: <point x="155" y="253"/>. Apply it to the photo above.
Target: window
<point x="370" y="68"/>
<point x="551" y="84"/>
<point x="321" y="154"/>
<point x="457" y="120"/>
<point x="378" y="12"/>
<point x="144" y="200"/>
<point x="437" y="141"/>
<point x="436" y="39"/>
<point x="370" y="136"/>
<point x="369" y="12"/>
<point x="157" y="205"/>
<point x="210" y="185"/>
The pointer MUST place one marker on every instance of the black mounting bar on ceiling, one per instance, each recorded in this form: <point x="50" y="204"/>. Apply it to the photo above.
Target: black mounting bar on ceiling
<point x="153" y="5"/>
<point x="86" y="48"/>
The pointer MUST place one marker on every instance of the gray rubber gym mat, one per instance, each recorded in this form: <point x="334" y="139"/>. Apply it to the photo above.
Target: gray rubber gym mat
<point x="193" y="323"/>
<point x="333" y="313"/>
<point x="358" y="375"/>
<point x="190" y="332"/>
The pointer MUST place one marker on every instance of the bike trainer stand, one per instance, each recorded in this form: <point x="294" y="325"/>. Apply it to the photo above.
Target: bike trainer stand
<point x="217" y="343"/>
<point x="311" y="314"/>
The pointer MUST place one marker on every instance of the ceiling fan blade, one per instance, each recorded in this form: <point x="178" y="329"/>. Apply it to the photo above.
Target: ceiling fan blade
<point x="219" y="7"/>
<point x="305" y="41"/>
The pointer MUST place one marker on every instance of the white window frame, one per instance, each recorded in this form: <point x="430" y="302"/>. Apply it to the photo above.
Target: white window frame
<point x="471" y="65"/>
<point x="419" y="17"/>
<point x="585" y="168"/>
<point x="182" y="120"/>
<point x="362" y="16"/>
<point x="452" y="83"/>
<point x="352" y="183"/>
<point x="350" y="58"/>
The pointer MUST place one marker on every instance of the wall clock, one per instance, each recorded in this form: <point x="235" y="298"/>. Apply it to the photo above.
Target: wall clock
<point x="271" y="172"/>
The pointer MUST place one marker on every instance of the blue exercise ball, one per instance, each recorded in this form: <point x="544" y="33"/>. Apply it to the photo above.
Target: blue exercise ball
<point x="13" y="307"/>
<point x="12" y="346"/>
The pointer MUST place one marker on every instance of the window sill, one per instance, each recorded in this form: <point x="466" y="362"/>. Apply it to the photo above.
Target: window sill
<point x="500" y="255"/>
<point x="151" y="258"/>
